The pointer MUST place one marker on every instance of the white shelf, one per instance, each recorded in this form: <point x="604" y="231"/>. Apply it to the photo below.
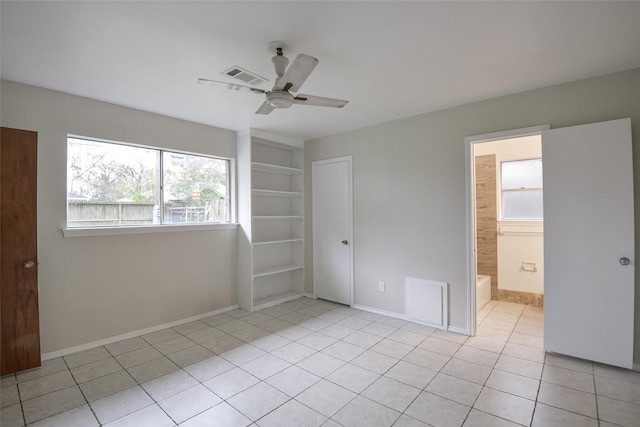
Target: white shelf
<point x="277" y="217"/>
<point x="270" y="191"/>
<point x="275" y="193"/>
<point x="272" y="242"/>
<point x="276" y="270"/>
<point x="282" y="170"/>
<point x="276" y="299"/>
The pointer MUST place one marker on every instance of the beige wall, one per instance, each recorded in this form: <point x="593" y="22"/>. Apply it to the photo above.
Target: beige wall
<point x="93" y="288"/>
<point x="486" y="220"/>
<point x="417" y="166"/>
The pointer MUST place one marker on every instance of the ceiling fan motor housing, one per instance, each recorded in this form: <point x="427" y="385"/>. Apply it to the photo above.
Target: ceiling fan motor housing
<point x="280" y="63"/>
<point x="280" y="99"/>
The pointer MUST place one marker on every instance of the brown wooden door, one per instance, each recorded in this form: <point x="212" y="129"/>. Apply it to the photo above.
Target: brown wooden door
<point x="20" y="322"/>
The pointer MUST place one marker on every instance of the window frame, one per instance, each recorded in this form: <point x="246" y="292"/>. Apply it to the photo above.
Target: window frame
<point x="163" y="227"/>
<point x="501" y="191"/>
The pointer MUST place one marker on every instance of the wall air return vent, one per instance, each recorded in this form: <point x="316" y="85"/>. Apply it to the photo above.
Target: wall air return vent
<point x="244" y="75"/>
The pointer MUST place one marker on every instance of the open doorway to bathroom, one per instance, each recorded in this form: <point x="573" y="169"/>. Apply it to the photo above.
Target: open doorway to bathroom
<point x="506" y="222"/>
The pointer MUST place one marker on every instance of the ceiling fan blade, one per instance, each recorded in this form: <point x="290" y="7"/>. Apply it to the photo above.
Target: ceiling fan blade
<point x="297" y="73"/>
<point x="230" y="86"/>
<point x="319" y="101"/>
<point x="265" y="108"/>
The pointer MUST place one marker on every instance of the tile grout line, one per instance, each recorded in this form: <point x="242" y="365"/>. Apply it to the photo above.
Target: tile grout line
<point x="82" y="392"/>
<point x="492" y="369"/>
<point x="24" y="417"/>
<point x="382" y="375"/>
<point x="595" y="391"/>
<point x="138" y="384"/>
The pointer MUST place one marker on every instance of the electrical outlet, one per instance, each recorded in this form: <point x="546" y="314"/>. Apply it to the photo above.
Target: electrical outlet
<point x="381" y="286"/>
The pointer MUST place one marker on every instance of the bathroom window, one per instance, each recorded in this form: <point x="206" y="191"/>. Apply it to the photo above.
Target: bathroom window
<point x="521" y="188"/>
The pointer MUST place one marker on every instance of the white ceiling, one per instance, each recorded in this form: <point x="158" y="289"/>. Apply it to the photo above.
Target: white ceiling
<point x="390" y="59"/>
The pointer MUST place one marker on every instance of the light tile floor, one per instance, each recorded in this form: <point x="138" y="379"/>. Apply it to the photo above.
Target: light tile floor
<point x="310" y="363"/>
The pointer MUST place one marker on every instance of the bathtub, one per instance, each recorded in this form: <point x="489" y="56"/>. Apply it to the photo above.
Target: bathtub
<point x="483" y="291"/>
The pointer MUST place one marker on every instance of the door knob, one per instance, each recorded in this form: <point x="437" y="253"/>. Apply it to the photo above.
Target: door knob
<point x="624" y="261"/>
<point x="345" y="242"/>
<point x="29" y="264"/>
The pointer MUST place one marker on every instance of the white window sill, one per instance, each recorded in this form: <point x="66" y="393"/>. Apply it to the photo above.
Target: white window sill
<point x="148" y="229"/>
<point x="506" y="227"/>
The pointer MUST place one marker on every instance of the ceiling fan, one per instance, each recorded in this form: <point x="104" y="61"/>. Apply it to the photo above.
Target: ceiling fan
<point x="289" y="80"/>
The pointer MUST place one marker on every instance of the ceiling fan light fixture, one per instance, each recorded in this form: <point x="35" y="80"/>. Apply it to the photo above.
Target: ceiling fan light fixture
<point x="280" y="99"/>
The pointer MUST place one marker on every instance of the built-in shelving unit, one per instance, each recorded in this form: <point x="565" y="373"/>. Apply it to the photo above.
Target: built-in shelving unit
<point x="270" y="199"/>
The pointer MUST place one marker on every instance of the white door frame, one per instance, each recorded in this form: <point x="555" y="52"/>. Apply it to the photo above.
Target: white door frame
<point x="470" y="194"/>
<point x="315" y="164"/>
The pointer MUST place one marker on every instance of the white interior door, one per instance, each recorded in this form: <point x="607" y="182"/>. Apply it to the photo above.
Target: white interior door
<point x="332" y="230"/>
<point x="588" y="239"/>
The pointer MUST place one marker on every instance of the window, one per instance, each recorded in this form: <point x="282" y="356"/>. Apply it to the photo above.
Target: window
<point x="521" y="187"/>
<point x="112" y="184"/>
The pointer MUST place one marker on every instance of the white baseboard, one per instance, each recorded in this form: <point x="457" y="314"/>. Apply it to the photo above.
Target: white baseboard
<point x="381" y="312"/>
<point x="457" y="330"/>
<point x="454" y="329"/>
<point x="94" y="344"/>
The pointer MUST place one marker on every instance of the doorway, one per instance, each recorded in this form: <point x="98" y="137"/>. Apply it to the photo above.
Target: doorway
<point x="506" y="226"/>
<point x="333" y="230"/>
<point x="509" y="222"/>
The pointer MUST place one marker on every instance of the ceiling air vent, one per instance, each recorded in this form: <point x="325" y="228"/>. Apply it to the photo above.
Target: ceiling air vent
<point x="244" y="75"/>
